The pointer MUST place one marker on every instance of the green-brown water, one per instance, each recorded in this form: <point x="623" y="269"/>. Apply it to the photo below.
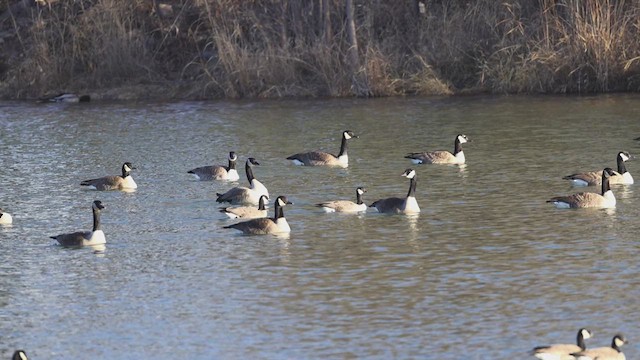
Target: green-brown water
<point x="488" y="270"/>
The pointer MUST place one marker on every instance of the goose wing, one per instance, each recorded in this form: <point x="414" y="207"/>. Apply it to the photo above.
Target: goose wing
<point x="340" y="206"/>
<point x="603" y="353"/>
<point x="580" y="200"/>
<point x="557" y="349"/>
<point x="73" y="239"/>
<point x="213" y="172"/>
<point x="389" y="205"/>
<point x="314" y="158"/>
<point x="245" y="212"/>
<point x="259" y="226"/>
<point x="432" y="157"/>
<point x="590" y="178"/>
<point x="105" y="183"/>
<point x="237" y="194"/>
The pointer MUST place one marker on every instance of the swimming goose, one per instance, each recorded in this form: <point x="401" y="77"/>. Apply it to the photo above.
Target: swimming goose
<point x="320" y="158"/>
<point x="345" y="205"/>
<point x="243" y="195"/>
<point x="604" y="353"/>
<point x="395" y="205"/>
<point x="218" y="172"/>
<point x="441" y="156"/>
<point x="262" y="226"/>
<point x="68" y="98"/>
<point x="85" y="238"/>
<point x="5" y="218"/>
<point x="588" y="199"/>
<point x="562" y="351"/>
<point x="116" y="182"/>
<point x="247" y="212"/>
<point x="593" y="177"/>
<point x="19" y="355"/>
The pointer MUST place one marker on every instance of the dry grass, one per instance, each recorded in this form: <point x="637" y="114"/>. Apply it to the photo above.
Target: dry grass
<point x="264" y="49"/>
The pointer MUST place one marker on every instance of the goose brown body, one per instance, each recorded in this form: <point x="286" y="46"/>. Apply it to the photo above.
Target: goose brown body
<point x="218" y="172"/>
<point x="116" y="182"/>
<point x="605" y="199"/>
<point x="247" y="212"/>
<point x="604" y="353"/>
<point x="321" y="158"/>
<point x="594" y="178"/>
<point x="441" y="156"/>
<point x="562" y="351"/>
<point x="85" y="238"/>
<point x="395" y="205"/>
<point x="345" y="205"/>
<point x="264" y="226"/>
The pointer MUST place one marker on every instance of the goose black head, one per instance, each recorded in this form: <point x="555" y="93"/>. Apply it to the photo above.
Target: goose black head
<point x="98" y="205"/>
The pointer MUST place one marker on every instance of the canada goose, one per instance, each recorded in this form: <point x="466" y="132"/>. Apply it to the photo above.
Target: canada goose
<point x="68" y="98"/>
<point x="588" y="199"/>
<point x="19" y="355"/>
<point x="320" y="158"/>
<point x="604" y="353"/>
<point x="593" y="177"/>
<point x="345" y="205"/>
<point x="218" y="172"/>
<point x="85" y="238"/>
<point x="441" y="156"/>
<point x="408" y="205"/>
<point x="562" y="351"/>
<point x="247" y="212"/>
<point x="5" y="218"/>
<point x="243" y="195"/>
<point x="116" y="182"/>
<point x="263" y="226"/>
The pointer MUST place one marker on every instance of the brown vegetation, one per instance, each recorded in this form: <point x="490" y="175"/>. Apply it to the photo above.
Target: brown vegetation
<point x="278" y="48"/>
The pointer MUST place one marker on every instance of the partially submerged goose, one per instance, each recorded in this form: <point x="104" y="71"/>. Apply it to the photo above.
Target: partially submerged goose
<point x="604" y="353"/>
<point x="345" y="205"/>
<point x="247" y="212"/>
<point x="407" y="205"/>
<point x="562" y="351"/>
<point x="85" y="238"/>
<point x="593" y="177"/>
<point x="320" y="158"/>
<point x="263" y="226"/>
<point x="245" y="195"/>
<point x="19" y="355"/>
<point x="605" y="199"/>
<point x="5" y="218"/>
<point x="218" y="172"/>
<point x="441" y="156"/>
<point x="116" y="182"/>
<point x="68" y="98"/>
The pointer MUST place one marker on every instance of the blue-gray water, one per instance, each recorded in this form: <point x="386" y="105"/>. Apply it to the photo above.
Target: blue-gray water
<point x="488" y="270"/>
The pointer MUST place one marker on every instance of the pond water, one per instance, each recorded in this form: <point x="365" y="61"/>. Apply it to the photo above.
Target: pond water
<point x="488" y="270"/>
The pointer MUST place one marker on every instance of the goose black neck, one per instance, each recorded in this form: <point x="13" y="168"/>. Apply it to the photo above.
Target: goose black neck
<point x="343" y="146"/>
<point x="412" y="187"/>
<point x="359" y="198"/>
<point x="249" y="172"/>
<point x="125" y="173"/>
<point x="605" y="184"/>
<point x="232" y="164"/>
<point x="621" y="168"/>
<point x="261" y="205"/>
<point x="580" y="341"/>
<point x="614" y="345"/>
<point x="457" y="146"/>
<point x="96" y="219"/>
<point x="279" y="212"/>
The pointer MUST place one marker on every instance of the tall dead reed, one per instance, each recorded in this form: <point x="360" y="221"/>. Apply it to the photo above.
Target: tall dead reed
<point x="231" y="48"/>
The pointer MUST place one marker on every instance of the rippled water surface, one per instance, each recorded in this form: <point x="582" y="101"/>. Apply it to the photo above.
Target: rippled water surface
<point x="488" y="270"/>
